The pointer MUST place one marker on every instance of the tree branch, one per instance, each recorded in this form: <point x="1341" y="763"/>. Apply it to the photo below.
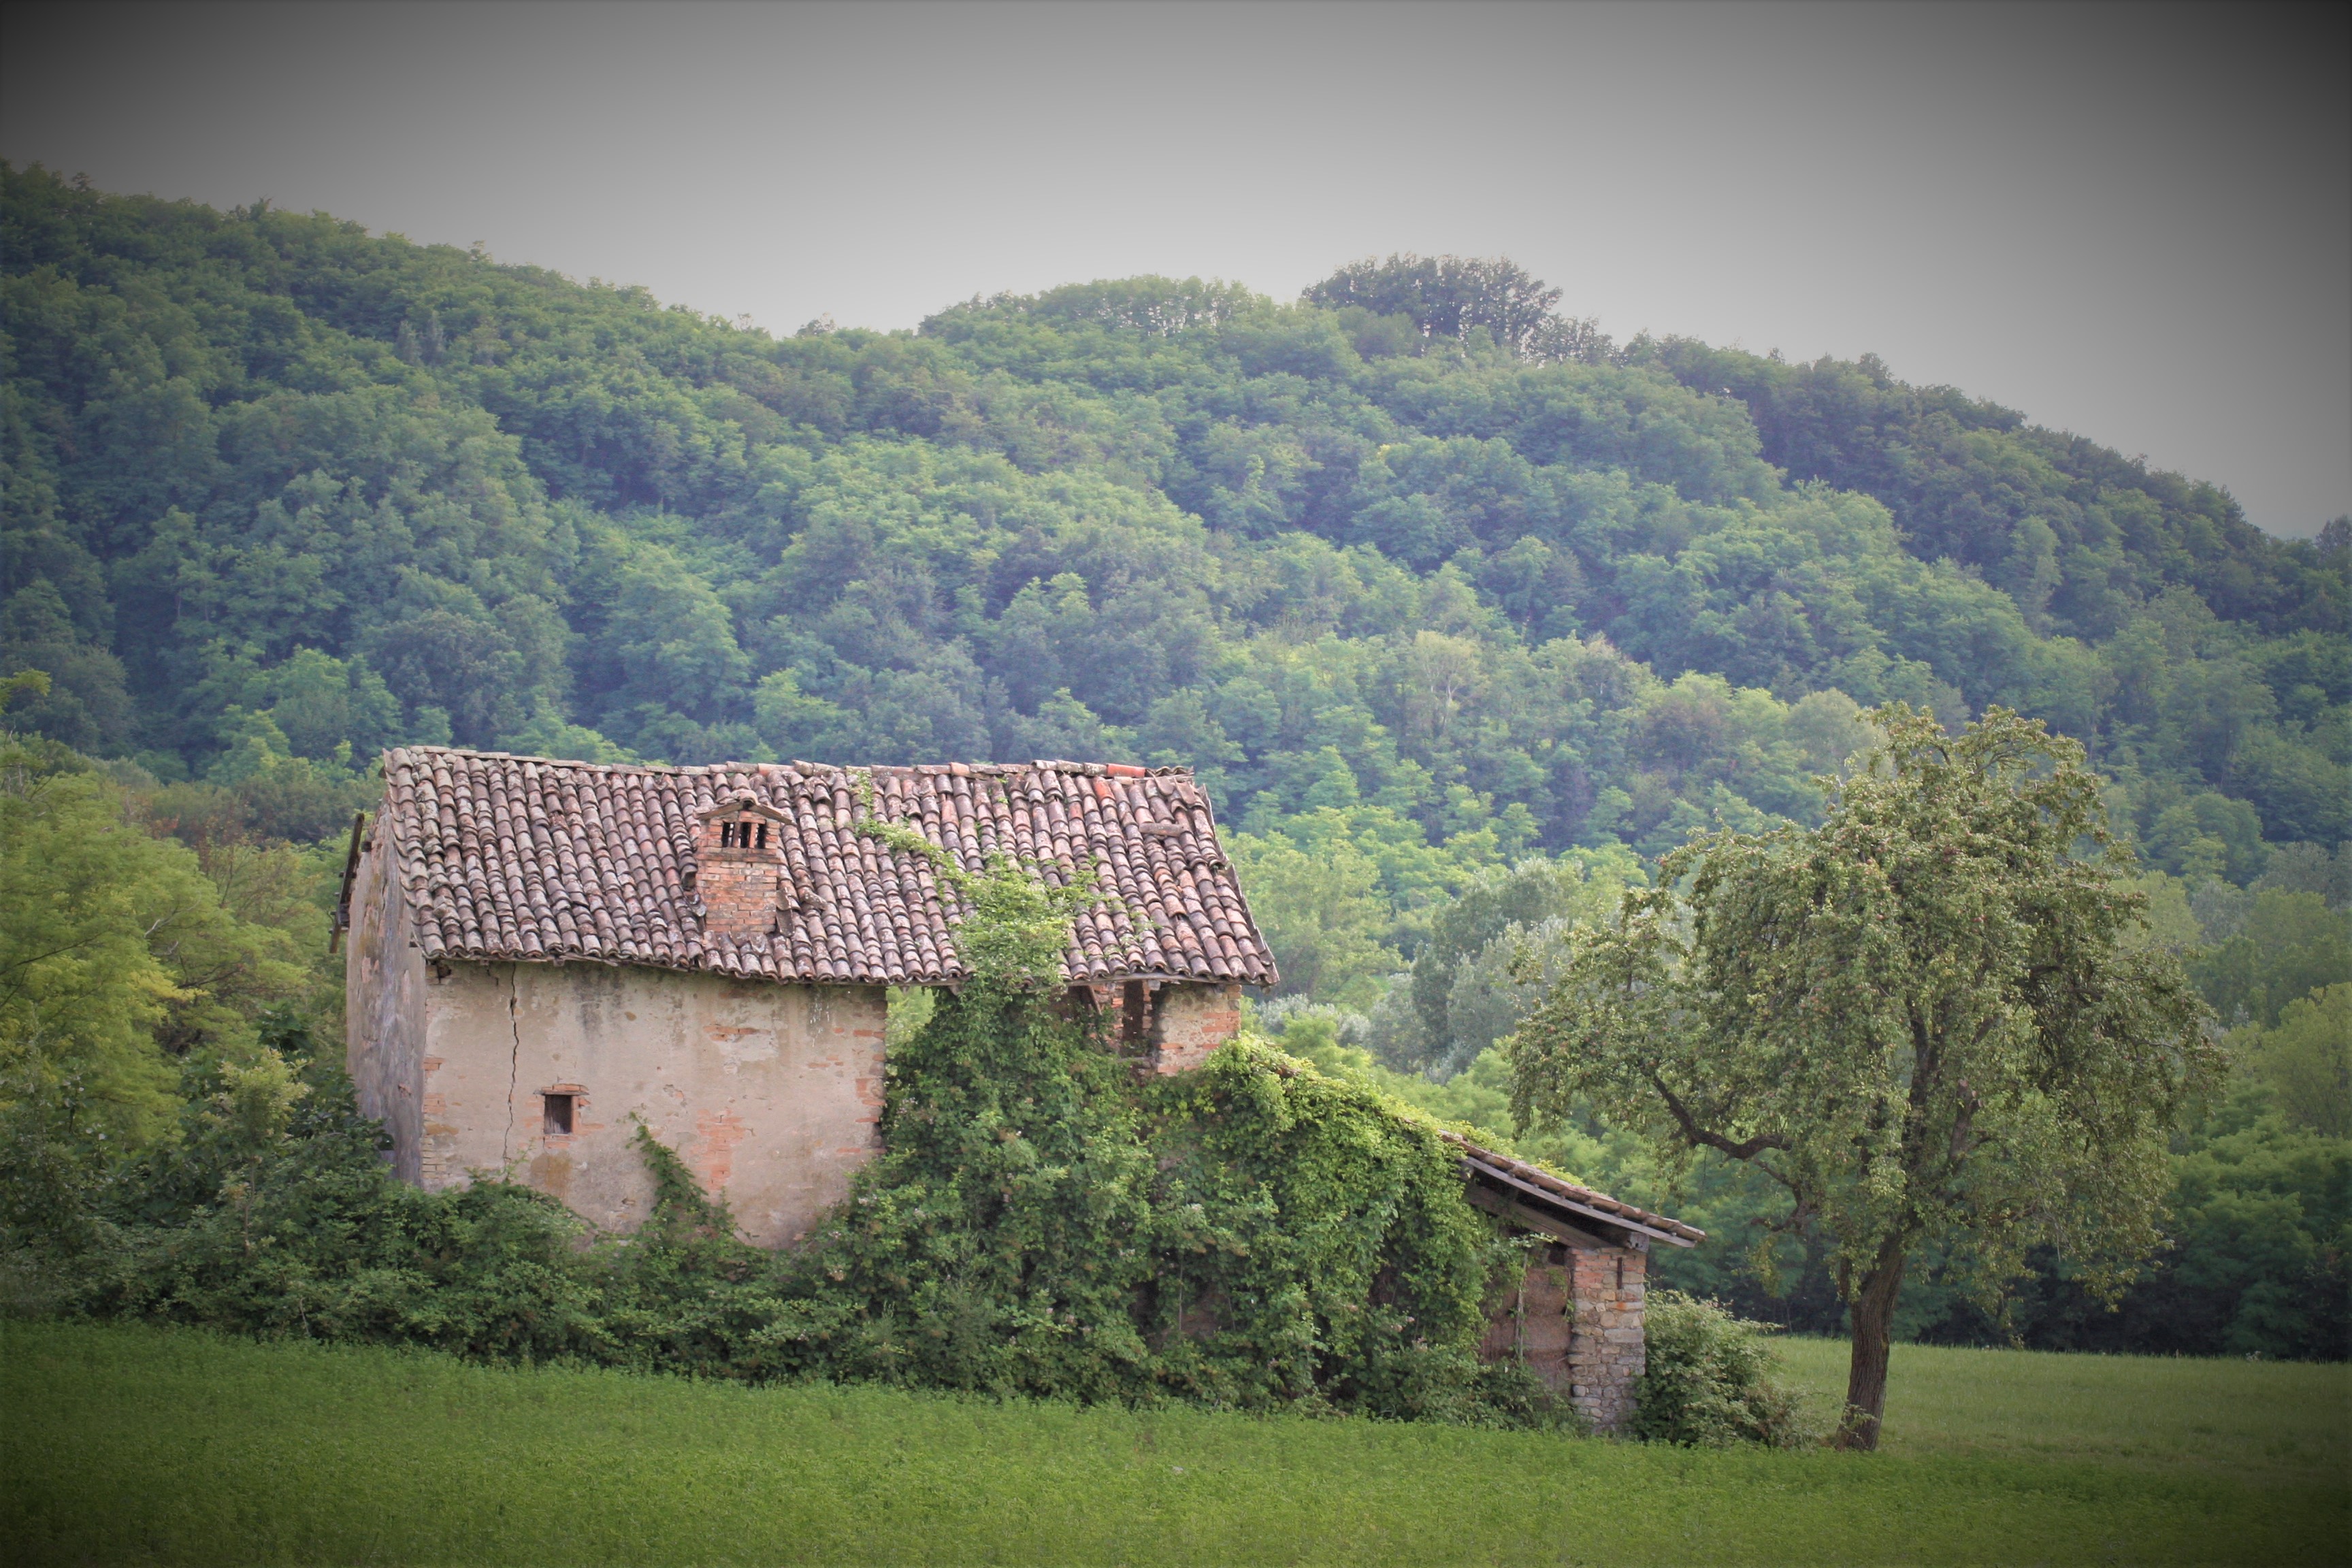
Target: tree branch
<point x="1694" y="1132"/>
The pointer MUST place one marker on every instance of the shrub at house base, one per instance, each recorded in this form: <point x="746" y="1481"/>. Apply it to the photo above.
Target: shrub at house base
<point x="1708" y="1379"/>
<point x="1252" y="1235"/>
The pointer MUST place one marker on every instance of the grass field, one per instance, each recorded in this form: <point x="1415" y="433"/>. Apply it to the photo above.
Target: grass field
<point x="2263" y="1421"/>
<point x="125" y="1445"/>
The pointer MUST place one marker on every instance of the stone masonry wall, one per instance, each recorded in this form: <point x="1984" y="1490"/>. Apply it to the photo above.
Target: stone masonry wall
<point x="1605" y="1353"/>
<point x="1192" y="1021"/>
<point x="385" y="984"/>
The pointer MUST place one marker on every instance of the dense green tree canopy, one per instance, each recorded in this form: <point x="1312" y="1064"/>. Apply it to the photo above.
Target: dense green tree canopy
<point x="120" y="948"/>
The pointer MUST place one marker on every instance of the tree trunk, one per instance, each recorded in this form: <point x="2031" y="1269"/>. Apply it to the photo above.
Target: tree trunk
<point x="1873" y="1327"/>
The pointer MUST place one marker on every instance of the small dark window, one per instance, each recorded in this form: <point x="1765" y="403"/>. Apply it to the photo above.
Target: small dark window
<point x="559" y="1113"/>
<point x="726" y="836"/>
<point x="763" y="835"/>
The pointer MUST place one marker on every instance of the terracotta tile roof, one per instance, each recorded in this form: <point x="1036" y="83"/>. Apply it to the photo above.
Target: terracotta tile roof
<point x="507" y="858"/>
<point x="1533" y="1182"/>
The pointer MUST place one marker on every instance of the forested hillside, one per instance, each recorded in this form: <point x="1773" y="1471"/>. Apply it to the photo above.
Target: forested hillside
<point x="1421" y="576"/>
<point x="1459" y="608"/>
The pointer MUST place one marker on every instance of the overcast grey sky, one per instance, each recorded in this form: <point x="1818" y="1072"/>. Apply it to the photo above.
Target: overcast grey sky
<point x="2132" y="222"/>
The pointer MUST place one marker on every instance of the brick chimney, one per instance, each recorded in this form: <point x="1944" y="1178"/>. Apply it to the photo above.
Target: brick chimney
<point x="738" y="847"/>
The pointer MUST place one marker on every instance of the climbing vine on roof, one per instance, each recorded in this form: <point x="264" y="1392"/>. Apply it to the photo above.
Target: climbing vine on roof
<point x="1041" y="1223"/>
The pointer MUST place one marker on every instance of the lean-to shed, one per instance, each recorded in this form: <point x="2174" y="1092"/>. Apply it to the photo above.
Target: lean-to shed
<point x="1575" y="1318"/>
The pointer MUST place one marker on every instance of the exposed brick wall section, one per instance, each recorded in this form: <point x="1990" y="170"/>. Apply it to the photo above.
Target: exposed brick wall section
<point x="1191" y="1021"/>
<point x="738" y="890"/>
<point x="1576" y="1322"/>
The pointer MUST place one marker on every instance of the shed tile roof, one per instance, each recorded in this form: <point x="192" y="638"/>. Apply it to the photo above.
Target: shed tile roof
<point x="1574" y="1201"/>
<point x="508" y="858"/>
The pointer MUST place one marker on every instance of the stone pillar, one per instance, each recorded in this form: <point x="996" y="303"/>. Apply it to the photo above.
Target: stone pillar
<point x="1191" y="1021"/>
<point x="1605" y="1350"/>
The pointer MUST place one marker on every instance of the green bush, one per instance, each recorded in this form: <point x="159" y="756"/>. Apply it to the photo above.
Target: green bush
<point x="1708" y="1382"/>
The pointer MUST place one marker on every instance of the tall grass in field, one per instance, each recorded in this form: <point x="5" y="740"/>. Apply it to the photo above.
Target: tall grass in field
<point x="125" y="1444"/>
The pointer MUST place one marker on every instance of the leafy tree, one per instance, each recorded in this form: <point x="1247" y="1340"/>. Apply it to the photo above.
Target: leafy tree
<point x="2288" y="945"/>
<point x="82" y="992"/>
<point x="1478" y="933"/>
<point x="1926" y="1017"/>
<point x="1321" y="913"/>
<point x="84" y="703"/>
<point x="115" y="947"/>
<point x="1450" y="296"/>
<point x="2262" y="1214"/>
<point x="2209" y="835"/>
<point x="548" y="734"/>
<point x="2074" y="532"/>
<point x="323" y="704"/>
<point x="2257" y="1262"/>
<point x="2306" y="1060"/>
<point x="2300" y="867"/>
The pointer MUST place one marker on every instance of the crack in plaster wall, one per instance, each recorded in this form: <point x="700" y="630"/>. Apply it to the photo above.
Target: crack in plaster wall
<point x="514" y="1062"/>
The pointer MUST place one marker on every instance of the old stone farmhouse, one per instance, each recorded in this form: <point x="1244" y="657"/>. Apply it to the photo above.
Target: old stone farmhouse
<point x="542" y="954"/>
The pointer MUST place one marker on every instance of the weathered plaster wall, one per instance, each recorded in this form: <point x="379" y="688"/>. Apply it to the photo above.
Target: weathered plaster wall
<point x="1192" y="1021"/>
<point x="385" y="995"/>
<point x="769" y="1093"/>
<point x="1576" y="1322"/>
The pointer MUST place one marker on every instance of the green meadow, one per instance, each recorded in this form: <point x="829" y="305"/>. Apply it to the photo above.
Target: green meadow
<point x="126" y="1444"/>
<point x="2255" y="1421"/>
